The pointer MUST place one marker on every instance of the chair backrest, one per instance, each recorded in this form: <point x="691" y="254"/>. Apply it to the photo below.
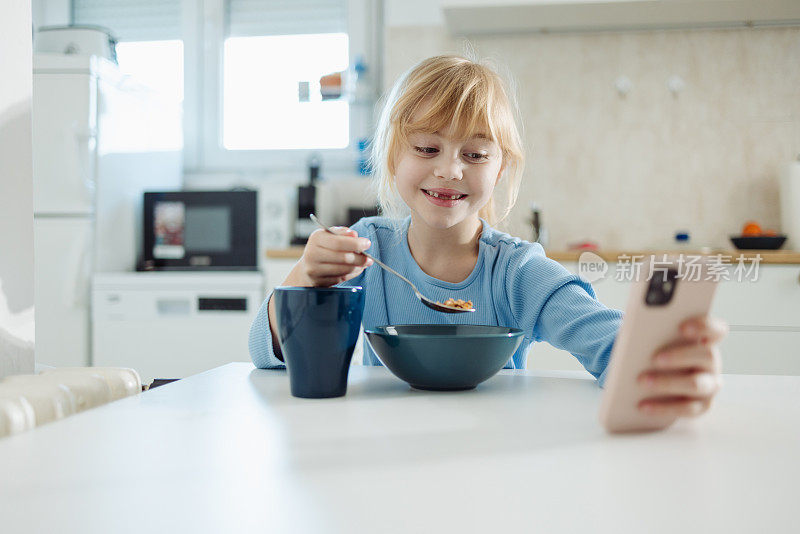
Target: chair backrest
<point x="16" y="349"/>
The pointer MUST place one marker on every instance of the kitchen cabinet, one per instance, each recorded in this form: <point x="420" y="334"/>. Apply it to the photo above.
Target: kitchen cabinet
<point x="487" y="16"/>
<point x="763" y="315"/>
<point x="172" y="324"/>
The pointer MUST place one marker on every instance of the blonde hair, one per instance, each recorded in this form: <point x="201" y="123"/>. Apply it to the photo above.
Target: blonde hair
<point x="464" y="94"/>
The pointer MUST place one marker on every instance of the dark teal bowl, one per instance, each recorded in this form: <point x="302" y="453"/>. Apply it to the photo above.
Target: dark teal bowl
<point x="444" y="357"/>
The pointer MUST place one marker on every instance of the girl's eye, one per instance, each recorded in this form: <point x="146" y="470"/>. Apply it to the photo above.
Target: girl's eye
<point x="476" y="155"/>
<point x="426" y="149"/>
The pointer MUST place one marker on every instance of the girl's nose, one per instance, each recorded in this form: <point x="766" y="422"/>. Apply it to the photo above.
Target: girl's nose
<point x="451" y="171"/>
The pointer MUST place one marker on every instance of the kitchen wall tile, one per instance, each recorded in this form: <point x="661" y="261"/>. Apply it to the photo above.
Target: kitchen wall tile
<point x="629" y="171"/>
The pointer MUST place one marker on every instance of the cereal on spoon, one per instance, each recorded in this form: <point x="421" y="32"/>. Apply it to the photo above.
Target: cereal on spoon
<point x="457" y="303"/>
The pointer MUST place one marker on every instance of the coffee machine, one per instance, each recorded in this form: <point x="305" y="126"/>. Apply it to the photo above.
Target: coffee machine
<point x="306" y="204"/>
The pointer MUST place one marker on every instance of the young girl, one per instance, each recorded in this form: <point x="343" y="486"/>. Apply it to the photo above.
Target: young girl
<point x="446" y="144"/>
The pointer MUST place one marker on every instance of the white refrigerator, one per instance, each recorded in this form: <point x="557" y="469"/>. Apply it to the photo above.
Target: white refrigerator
<point x="100" y="139"/>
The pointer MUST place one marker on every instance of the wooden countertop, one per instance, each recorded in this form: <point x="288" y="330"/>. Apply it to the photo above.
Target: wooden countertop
<point x="726" y="255"/>
<point x="230" y="450"/>
<point x="565" y="256"/>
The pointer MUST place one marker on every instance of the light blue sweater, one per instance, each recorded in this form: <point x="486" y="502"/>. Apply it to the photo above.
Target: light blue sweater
<point x="513" y="284"/>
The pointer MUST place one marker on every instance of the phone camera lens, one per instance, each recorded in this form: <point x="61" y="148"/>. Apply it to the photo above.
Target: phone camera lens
<point x="662" y="286"/>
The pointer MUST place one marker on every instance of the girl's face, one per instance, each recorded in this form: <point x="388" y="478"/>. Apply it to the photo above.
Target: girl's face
<point x="446" y="181"/>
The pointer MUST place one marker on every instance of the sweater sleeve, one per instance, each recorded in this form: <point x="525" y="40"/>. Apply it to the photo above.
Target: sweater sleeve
<point x="260" y="339"/>
<point x="553" y="305"/>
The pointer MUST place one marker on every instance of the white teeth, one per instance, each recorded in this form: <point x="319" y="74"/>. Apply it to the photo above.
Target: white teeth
<point x="448" y="197"/>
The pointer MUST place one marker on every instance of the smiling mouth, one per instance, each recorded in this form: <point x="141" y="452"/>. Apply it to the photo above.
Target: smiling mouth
<point x="443" y="197"/>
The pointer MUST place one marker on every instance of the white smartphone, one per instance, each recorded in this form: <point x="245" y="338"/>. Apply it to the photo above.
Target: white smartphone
<point x="666" y="291"/>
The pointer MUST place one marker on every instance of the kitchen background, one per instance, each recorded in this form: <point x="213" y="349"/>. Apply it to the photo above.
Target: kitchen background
<point x="627" y="171"/>
<point x="703" y="120"/>
<point x="685" y="120"/>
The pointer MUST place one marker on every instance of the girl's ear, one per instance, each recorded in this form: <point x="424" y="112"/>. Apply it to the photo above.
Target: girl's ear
<point x="500" y="174"/>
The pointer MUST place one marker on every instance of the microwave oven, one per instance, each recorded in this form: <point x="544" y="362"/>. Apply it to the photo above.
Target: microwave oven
<point x="199" y="230"/>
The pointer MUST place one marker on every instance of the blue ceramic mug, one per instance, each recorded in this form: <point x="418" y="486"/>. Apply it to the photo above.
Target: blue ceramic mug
<point x="317" y="332"/>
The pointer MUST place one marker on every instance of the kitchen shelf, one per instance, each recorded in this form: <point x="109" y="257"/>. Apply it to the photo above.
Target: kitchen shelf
<point x="469" y="17"/>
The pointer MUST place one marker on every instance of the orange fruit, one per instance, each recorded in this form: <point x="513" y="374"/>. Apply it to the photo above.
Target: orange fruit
<point x="751" y="228"/>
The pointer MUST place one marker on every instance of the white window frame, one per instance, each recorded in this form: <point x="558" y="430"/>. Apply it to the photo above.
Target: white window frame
<point x="204" y="36"/>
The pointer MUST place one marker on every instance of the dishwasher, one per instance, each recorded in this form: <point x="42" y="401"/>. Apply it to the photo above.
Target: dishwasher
<point x="173" y="324"/>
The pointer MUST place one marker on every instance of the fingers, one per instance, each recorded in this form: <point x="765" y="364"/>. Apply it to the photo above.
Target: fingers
<point x="700" y="330"/>
<point x="675" y="406"/>
<point x="704" y="329"/>
<point x="346" y="241"/>
<point x="335" y="278"/>
<point x="698" y="384"/>
<point x="685" y="374"/>
<point x="324" y="255"/>
<point x="332" y="270"/>
<point x="689" y="357"/>
<point x="331" y="259"/>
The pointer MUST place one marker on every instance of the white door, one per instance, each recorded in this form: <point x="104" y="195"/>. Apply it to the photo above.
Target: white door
<point x="64" y="120"/>
<point x="62" y="266"/>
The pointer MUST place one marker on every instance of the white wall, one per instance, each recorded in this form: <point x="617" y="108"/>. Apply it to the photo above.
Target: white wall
<point x="51" y="12"/>
<point x="16" y="187"/>
<point x="413" y="13"/>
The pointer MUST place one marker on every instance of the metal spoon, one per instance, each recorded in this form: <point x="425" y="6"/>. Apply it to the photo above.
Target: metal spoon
<point x="422" y="298"/>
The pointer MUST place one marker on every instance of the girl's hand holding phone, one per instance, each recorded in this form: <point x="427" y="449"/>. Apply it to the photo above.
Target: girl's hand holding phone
<point x="331" y="259"/>
<point x="684" y="376"/>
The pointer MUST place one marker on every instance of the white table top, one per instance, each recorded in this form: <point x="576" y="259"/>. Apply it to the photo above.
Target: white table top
<point x="231" y="451"/>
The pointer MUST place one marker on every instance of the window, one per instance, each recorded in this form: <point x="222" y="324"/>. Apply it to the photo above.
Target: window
<point x="150" y="45"/>
<point x="272" y="97"/>
<point x="132" y="20"/>
<point x="150" y="49"/>
<point x="248" y="74"/>
<point x="158" y="64"/>
<point x="274" y="54"/>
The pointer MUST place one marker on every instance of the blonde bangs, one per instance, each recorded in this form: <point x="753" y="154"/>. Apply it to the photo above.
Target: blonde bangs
<point x="447" y="93"/>
<point x="459" y="98"/>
